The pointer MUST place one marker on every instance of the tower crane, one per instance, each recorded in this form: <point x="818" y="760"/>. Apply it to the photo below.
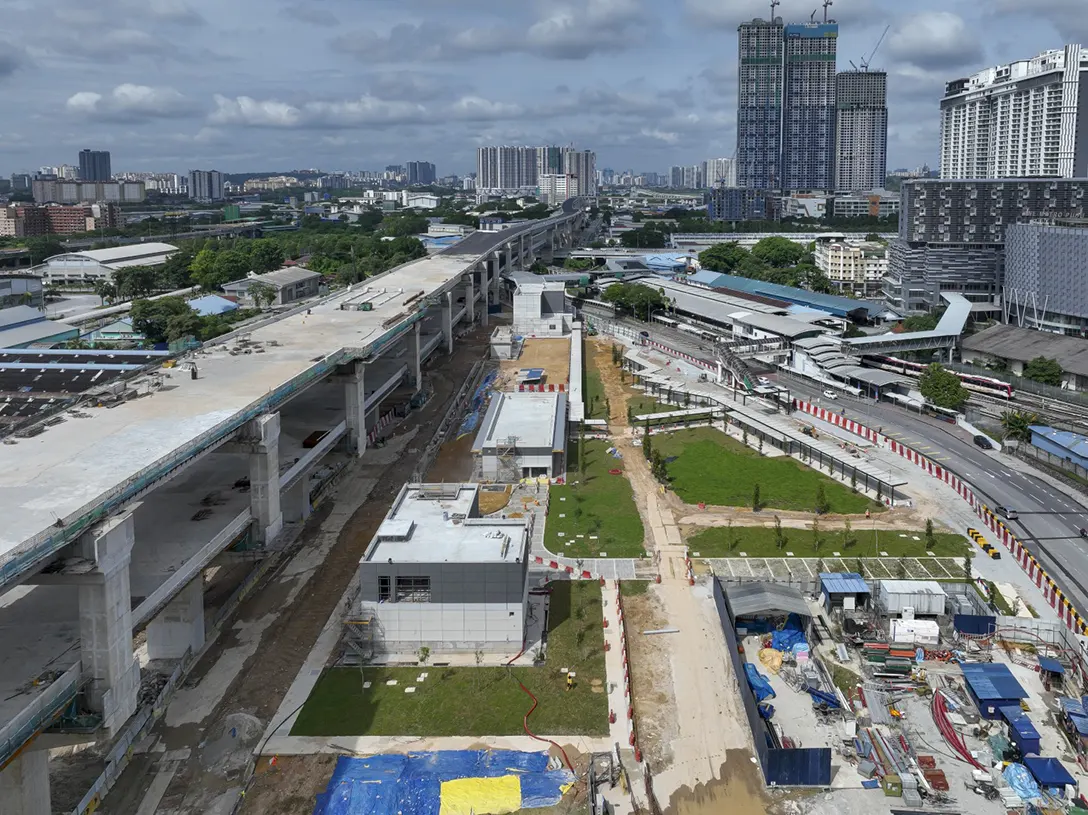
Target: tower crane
<point x="865" y="61"/>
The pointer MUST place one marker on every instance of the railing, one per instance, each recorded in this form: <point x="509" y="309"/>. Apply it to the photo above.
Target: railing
<point x="39" y="714"/>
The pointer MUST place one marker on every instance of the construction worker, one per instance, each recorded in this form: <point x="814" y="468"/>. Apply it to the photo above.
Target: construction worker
<point x="570" y="680"/>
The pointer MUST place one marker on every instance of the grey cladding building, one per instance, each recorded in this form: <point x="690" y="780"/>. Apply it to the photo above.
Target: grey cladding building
<point x="952" y="235"/>
<point x="438" y="575"/>
<point x="1046" y="277"/>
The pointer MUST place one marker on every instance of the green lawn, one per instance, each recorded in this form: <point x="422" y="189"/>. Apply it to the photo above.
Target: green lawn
<point x="758" y="541"/>
<point x="633" y="588"/>
<point x="594" y="396"/>
<point x="477" y="701"/>
<point x="598" y="504"/>
<point x="710" y="467"/>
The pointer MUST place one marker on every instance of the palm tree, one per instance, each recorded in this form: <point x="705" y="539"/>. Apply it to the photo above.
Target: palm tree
<point x="1016" y="424"/>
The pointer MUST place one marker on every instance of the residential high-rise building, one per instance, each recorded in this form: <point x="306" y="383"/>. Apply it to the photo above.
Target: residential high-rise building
<point x="676" y="176"/>
<point x="952" y="235"/>
<point x="761" y="46"/>
<point x="52" y="191"/>
<point x="1020" y="120"/>
<point x="721" y="172"/>
<point x="808" y="106"/>
<point x="514" y="168"/>
<point x="421" y="172"/>
<point x="861" y="130"/>
<point x="205" y="185"/>
<point x="582" y="164"/>
<point x="94" y="165"/>
<point x="555" y="188"/>
<point x="786" y="105"/>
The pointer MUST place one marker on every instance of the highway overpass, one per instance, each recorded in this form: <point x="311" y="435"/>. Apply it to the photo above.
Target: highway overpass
<point x="113" y="513"/>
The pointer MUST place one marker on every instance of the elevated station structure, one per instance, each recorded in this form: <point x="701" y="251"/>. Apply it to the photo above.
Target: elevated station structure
<point x="112" y="513"/>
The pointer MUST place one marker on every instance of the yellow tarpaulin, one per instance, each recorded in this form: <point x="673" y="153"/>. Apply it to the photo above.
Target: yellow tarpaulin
<point x="771" y="659"/>
<point x="481" y="796"/>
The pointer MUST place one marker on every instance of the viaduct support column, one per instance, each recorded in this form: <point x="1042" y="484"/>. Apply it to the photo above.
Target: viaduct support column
<point x="105" y="622"/>
<point x="296" y="501"/>
<point x="470" y="299"/>
<point x="24" y="784"/>
<point x="355" y="408"/>
<point x="447" y="322"/>
<point x="179" y="626"/>
<point x="264" y="476"/>
<point x="415" y="356"/>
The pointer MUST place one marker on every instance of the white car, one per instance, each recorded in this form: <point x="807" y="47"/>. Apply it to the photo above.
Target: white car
<point x="763" y="380"/>
<point x="830" y="395"/>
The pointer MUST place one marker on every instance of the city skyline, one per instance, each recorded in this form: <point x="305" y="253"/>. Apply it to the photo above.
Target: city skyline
<point x="172" y="85"/>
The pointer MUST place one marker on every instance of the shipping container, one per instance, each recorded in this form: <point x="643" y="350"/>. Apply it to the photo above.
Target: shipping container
<point x="926" y="597"/>
<point x="916" y="632"/>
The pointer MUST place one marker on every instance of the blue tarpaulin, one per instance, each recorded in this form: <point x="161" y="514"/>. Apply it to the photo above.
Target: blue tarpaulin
<point x="412" y="784"/>
<point x="1051" y="665"/>
<point x="759" y="684"/>
<point x="791" y="634"/>
<point x="473" y="418"/>
<point x="1018" y="777"/>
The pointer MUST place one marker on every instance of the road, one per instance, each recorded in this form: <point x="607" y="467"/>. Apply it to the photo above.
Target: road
<point x="1049" y="522"/>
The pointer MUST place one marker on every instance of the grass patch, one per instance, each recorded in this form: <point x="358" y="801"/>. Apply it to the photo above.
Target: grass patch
<point x="711" y="467"/>
<point x="634" y="588"/>
<point x="844" y="679"/>
<point x="598" y="504"/>
<point x="759" y="541"/>
<point x="448" y="702"/>
<point x="595" y="396"/>
<point x="999" y="600"/>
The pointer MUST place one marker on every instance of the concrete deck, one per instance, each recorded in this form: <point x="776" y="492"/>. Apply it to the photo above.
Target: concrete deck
<point x="74" y="465"/>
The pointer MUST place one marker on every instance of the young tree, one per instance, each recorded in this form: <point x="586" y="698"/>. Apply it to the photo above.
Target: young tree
<point x="647" y="445"/>
<point x="262" y="294"/>
<point x="755" y="498"/>
<point x="730" y="536"/>
<point x="816" y="541"/>
<point x="780" y="539"/>
<point x="424" y="653"/>
<point x="744" y="436"/>
<point x="822" y="505"/>
<point x="847" y="535"/>
<point x="854" y="480"/>
<point x="859" y="566"/>
<point x="607" y="408"/>
<point x="931" y="539"/>
<point x="901" y="569"/>
<point x="630" y="415"/>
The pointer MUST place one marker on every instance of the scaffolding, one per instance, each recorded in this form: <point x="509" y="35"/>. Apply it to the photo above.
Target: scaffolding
<point x="507" y="470"/>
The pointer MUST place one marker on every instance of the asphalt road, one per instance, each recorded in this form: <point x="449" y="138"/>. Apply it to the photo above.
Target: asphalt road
<point x="1049" y="522"/>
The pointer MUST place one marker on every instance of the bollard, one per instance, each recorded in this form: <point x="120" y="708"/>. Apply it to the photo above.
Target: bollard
<point x="607" y="645"/>
<point x="604" y="623"/>
<point x="638" y="754"/>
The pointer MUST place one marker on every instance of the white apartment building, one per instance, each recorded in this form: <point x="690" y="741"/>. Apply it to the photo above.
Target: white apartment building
<point x="555" y="188"/>
<point x="721" y="171"/>
<point x="1017" y="120"/>
<point x="856" y="267"/>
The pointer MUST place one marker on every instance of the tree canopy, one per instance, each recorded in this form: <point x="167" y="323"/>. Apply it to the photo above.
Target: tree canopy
<point x="636" y="298"/>
<point x="152" y="318"/>
<point x="1016" y="424"/>
<point x="778" y="252"/>
<point x="942" y="387"/>
<point x="1046" y="371"/>
<point x="648" y="237"/>
<point x="723" y="257"/>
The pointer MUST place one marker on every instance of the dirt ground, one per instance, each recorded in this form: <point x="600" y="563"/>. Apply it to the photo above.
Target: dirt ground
<point x="287" y="613"/>
<point x="551" y="355"/>
<point x="738" y="790"/>
<point x="289" y="786"/>
<point x="655" y="704"/>
<point x="454" y="461"/>
<point x="494" y="500"/>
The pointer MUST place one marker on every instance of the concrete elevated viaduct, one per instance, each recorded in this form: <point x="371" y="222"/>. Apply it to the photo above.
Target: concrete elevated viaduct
<point x="112" y="515"/>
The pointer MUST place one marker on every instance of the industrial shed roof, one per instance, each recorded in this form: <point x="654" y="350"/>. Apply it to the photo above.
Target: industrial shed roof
<point x="873" y="376"/>
<point x="1024" y="345"/>
<point x="845" y="583"/>
<point x="748" y="599"/>
<point x="777" y="324"/>
<point x="992" y="681"/>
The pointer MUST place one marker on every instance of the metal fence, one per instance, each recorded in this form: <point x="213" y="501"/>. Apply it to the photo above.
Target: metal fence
<point x="1071" y="467"/>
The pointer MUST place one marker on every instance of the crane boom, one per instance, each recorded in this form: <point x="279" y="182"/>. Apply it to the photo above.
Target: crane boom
<point x="867" y="60"/>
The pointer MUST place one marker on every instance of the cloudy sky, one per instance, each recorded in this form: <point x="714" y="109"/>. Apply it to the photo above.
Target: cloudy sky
<point x="253" y="85"/>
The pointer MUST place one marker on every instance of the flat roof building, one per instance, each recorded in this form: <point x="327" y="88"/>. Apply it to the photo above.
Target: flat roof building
<point x="523" y="435"/>
<point x="438" y="575"/>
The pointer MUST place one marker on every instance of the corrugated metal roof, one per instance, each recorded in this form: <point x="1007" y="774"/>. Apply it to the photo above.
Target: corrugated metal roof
<point x="1050" y="664"/>
<point x="747" y="599"/>
<point x="832" y="304"/>
<point x="994" y="681"/>
<point x="1024" y="344"/>
<point x="913" y="587"/>
<point x="1073" y="442"/>
<point x="286" y="276"/>
<point x="19" y="315"/>
<point x="844" y="583"/>
<point x="1019" y="721"/>
<point x="37" y="332"/>
<point x="777" y="324"/>
<point x="123" y="253"/>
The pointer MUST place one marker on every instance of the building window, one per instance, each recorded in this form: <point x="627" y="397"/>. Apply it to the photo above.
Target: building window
<point x="413" y="590"/>
<point x="384" y="589"/>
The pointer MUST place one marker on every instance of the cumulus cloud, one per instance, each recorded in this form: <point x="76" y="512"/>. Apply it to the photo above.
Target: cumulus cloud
<point x="130" y="103"/>
<point x="570" y="32"/>
<point x="409" y="85"/>
<point x="935" y="40"/>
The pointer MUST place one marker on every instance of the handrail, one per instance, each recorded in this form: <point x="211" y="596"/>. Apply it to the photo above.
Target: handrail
<point x="39" y="714"/>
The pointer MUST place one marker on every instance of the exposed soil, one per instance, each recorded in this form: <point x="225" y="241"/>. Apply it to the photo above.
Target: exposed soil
<point x="289" y="786"/>
<point x="655" y="702"/>
<point x="553" y="355"/>
<point x="738" y="790"/>
<point x="454" y="461"/>
<point x="494" y="500"/>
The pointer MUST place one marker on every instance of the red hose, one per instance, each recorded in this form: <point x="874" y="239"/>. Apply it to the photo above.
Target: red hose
<point x="529" y="712"/>
<point x="954" y="739"/>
